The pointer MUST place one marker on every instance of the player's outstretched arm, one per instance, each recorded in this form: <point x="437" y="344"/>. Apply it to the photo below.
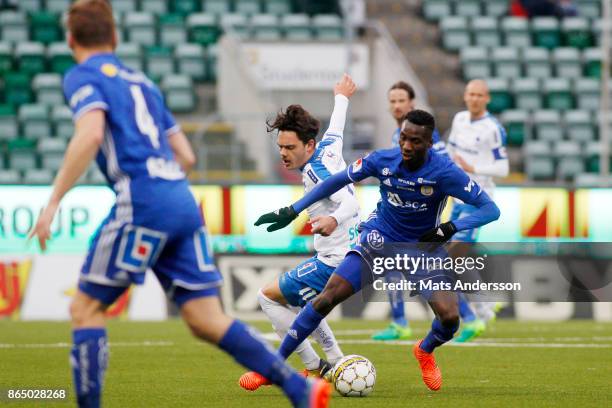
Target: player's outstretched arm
<point x="281" y="218"/>
<point x="343" y="90"/>
<point x="83" y="147"/>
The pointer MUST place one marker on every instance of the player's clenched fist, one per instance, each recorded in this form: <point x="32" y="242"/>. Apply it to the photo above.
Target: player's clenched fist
<point x="345" y="86"/>
<point x="279" y="218"/>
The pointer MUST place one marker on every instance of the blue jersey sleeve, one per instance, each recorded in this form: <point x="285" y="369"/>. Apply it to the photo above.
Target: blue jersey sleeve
<point x="363" y="168"/>
<point x="83" y="92"/>
<point x="458" y="184"/>
<point x="168" y="122"/>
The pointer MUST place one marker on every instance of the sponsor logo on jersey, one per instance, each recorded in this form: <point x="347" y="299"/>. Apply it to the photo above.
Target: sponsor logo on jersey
<point x="81" y="94"/>
<point x="292" y="333"/>
<point x="375" y="240"/>
<point x="110" y="70"/>
<point x="386" y="171"/>
<point x="408" y="182"/>
<point x="421" y="180"/>
<point x="164" y="169"/>
<point x="357" y="165"/>
<point x="427" y="190"/>
<point x="387" y="182"/>
<point x="312" y="176"/>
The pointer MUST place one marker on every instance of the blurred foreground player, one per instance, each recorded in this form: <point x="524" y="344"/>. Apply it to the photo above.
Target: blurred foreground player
<point x="334" y="222"/>
<point x="476" y="144"/>
<point x="121" y="120"/>
<point x="414" y="186"/>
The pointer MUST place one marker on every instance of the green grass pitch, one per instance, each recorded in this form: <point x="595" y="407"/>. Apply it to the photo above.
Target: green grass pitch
<point x="161" y="365"/>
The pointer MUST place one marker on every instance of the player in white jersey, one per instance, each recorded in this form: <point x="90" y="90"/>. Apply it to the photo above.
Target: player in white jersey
<point x="477" y="144"/>
<point x="334" y="222"/>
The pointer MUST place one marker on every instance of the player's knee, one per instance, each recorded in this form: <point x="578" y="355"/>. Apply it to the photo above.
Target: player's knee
<point x="449" y="316"/>
<point x="84" y="313"/>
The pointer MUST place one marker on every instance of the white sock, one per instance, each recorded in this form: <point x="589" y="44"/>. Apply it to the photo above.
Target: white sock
<point x="282" y="318"/>
<point x="324" y="335"/>
<point x="484" y="310"/>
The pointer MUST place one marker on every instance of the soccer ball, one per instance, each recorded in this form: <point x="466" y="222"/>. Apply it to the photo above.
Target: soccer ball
<point x="354" y="376"/>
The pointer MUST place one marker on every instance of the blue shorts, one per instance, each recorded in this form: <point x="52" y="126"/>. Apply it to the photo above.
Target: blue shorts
<point x="461" y="210"/>
<point x="121" y="253"/>
<point x="305" y="281"/>
<point x="358" y="266"/>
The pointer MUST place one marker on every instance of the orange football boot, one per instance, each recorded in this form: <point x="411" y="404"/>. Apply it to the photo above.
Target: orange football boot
<point x="251" y="381"/>
<point x="319" y="394"/>
<point x="432" y="376"/>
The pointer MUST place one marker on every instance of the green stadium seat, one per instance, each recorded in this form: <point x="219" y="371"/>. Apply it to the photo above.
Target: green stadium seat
<point x="328" y="27"/>
<point x="51" y="152"/>
<point x="237" y="23"/>
<point x="125" y="6"/>
<point x="475" y="62"/>
<point x="247" y="6"/>
<point x="140" y="28"/>
<point x="592" y="62"/>
<point x="516" y="32"/>
<point x="48" y="89"/>
<point x="527" y="93"/>
<point x="180" y="96"/>
<point x="38" y="176"/>
<point x="547" y="124"/>
<point x="280" y="7"/>
<point x="17" y="89"/>
<point x="203" y="28"/>
<point x="30" y="57"/>
<point x="61" y="118"/>
<point x="60" y="57"/>
<point x="592" y="152"/>
<point x="157" y="7"/>
<point x="516" y="124"/>
<point x="537" y="63"/>
<point x="57" y="6"/>
<point x="589" y="180"/>
<point x="296" y="26"/>
<point x="558" y="93"/>
<point x="131" y="55"/>
<point x="507" y="62"/>
<point x="34" y="120"/>
<point x="577" y="32"/>
<point x="486" y="32"/>
<point x="588" y="93"/>
<point x="160" y="62"/>
<point x="10" y="177"/>
<point x="579" y="126"/>
<point x="8" y="122"/>
<point x="455" y="33"/>
<point x="172" y="31"/>
<point x="30" y="6"/>
<point x="3" y="163"/>
<point x="468" y="8"/>
<point x="539" y="165"/>
<point x="217" y="6"/>
<point x="596" y="30"/>
<point x="14" y="27"/>
<point x="567" y="62"/>
<point x="435" y="10"/>
<point x="569" y="167"/>
<point x="495" y="8"/>
<point x="6" y="58"/>
<point x="546" y="32"/>
<point x="567" y="148"/>
<point x="501" y="98"/>
<point x="191" y="61"/>
<point x="589" y="8"/>
<point x="265" y="27"/>
<point x="186" y="7"/>
<point x="211" y="63"/>
<point x="22" y="154"/>
<point x="45" y="27"/>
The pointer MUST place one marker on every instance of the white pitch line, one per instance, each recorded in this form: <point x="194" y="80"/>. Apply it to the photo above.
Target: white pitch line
<point x="68" y="345"/>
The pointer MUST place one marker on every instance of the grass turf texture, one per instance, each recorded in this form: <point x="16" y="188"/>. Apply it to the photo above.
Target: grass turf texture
<point x="513" y="364"/>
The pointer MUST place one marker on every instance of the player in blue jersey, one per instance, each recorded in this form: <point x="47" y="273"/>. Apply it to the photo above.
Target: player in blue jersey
<point x="121" y="121"/>
<point x="414" y="186"/>
<point x="401" y="101"/>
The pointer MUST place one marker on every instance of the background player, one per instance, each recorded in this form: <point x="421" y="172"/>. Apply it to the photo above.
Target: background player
<point x="334" y="222"/>
<point x="476" y="144"/>
<point x="401" y="101"/>
<point x="404" y="214"/>
<point x="121" y="120"/>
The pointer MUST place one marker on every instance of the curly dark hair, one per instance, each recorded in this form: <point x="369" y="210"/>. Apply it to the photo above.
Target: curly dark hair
<point x="421" y="118"/>
<point x="296" y="119"/>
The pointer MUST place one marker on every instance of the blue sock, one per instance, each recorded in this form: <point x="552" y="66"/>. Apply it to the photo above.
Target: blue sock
<point x="244" y="344"/>
<point x="438" y="335"/>
<point x="89" y="359"/>
<point x="397" y="300"/>
<point x="305" y="323"/>
<point x="465" y="310"/>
